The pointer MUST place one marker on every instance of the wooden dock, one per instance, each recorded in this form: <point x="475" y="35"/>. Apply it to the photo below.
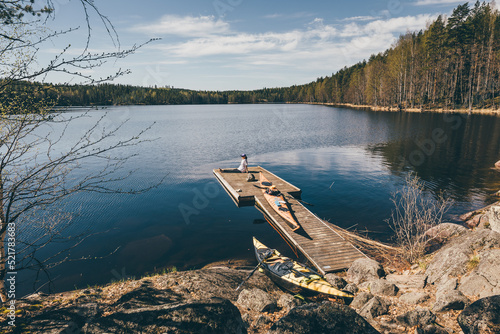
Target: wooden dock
<point x="316" y="240"/>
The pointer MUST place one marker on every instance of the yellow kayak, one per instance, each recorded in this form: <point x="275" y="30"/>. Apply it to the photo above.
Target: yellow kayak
<point x="294" y="276"/>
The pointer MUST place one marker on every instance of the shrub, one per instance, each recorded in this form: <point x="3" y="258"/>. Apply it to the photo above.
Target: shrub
<point x="415" y="212"/>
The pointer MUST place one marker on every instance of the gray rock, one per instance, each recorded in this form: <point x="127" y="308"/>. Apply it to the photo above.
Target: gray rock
<point x="453" y="258"/>
<point x="322" y="318"/>
<point x="482" y="316"/>
<point x="70" y="319"/>
<point x="452" y="300"/>
<point x="445" y="231"/>
<point x="419" y="316"/>
<point x="220" y="282"/>
<point x="374" y="308"/>
<point x="336" y="281"/>
<point x="484" y="222"/>
<point x="213" y="315"/>
<point x="449" y="261"/>
<point x="262" y="321"/>
<point x="484" y="280"/>
<point x="365" y="269"/>
<point x="145" y="310"/>
<point x="288" y="302"/>
<point x="352" y="288"/>
<point x="414" y="298"/>
<point x="408" y="281"/>
<point x="360" y="300"/>
<point x="257" y="300"/>
<point x="382" y="287"/>
<point x="197" y="301"/>
<point x="447" y="284"/>
<point x="494" y="217"/>
<point x="431" y="329"/>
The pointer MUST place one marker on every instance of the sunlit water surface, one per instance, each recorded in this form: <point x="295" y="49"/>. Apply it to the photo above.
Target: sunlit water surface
<point x="347" y="163"/>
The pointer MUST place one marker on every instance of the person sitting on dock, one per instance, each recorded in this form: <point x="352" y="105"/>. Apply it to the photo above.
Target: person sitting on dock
<point x="243" y="168"/>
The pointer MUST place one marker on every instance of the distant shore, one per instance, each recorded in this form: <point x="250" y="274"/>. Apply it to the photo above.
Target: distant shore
<point x="494" y="112"/>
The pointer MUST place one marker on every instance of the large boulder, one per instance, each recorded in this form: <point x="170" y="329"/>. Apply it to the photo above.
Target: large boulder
<point x="360" y="300"/>
<point x="214" y="315"/>
<point x="142" y="310"/>
<point x="257" y="300"/>
<point x="327" y="317"/>
<point x="408" y="282"/>
<point x="453" y="258"/>
<point x="336" y="281"/>
<point x="482" y="316"/>
<point x="365" y="269"/>
<point x="445" y="231"/>
<point x="374" y="308"/>
<point x="450" y="300"/>
<point x="352" y="288"/>
<point x="493" y="215"/>
<point x="287" y="302"/>
<point x="450" y="261"/>
<point x="446" y="284"/>
<point x="382" y="287"/>
<point x="414" y="298"/>
<point x="417" y="317"/>
<point x="484" y="280"/>
<point x="216" y="282"/>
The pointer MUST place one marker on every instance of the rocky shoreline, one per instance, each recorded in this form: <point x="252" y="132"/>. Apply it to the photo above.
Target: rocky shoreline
<point x="456" y="289"/>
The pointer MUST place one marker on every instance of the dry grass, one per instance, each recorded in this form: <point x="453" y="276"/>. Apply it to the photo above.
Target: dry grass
<point x="387" y="255"/>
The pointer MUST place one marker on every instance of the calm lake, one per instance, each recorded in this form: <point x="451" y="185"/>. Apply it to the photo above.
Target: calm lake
<point x="347" y="163"/>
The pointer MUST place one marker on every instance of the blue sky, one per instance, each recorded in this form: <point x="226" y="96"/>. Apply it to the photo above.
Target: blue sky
<point x="241" y="44"/>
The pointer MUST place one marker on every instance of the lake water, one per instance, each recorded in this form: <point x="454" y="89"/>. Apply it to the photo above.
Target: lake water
<point x="347" y="163"/>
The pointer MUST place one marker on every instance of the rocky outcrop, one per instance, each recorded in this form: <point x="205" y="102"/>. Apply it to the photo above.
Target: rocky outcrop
<point x="365" y="269"/>
<point x="411" y="300"/>
<point x="484" y="280"/>
<point x="414" y="298"/>
<point x="322" y="318"/>
<point x="494" y="217"/>
<point x="287" y="302"/>
<point x="450" y="300"/>
<point x="360" y="300"/>
<point x="408" y="282"/>
<point x="482" y="316"/>
<point x="445" y="231"/>
<point x="382" y="287"/>
<point x="336" y="281"/>
<point x="145" y="309"/>
<point x="487" y="217"/>
<point x="257" y="300"/>
<point x="454" y="257"/>
<point x="417" y="317"/>
<point x="374" y="308"/>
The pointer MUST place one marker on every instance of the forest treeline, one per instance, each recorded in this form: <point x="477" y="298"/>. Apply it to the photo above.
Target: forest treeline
<point x="453" y="63"/>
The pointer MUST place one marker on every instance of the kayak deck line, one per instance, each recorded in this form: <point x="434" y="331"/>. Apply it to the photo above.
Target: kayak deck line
<point x="325" y="249"/>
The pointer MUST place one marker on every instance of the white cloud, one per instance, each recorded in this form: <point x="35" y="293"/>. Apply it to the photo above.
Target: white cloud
<point x="437" y="2"/>
<point x="240" y="43"/>
<point x="359" y="18"/>
<point x="187" y="26"/>
<point x="316" y="43"/>
<point x="282" y="16"/>
<point x="313" y="50"/>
